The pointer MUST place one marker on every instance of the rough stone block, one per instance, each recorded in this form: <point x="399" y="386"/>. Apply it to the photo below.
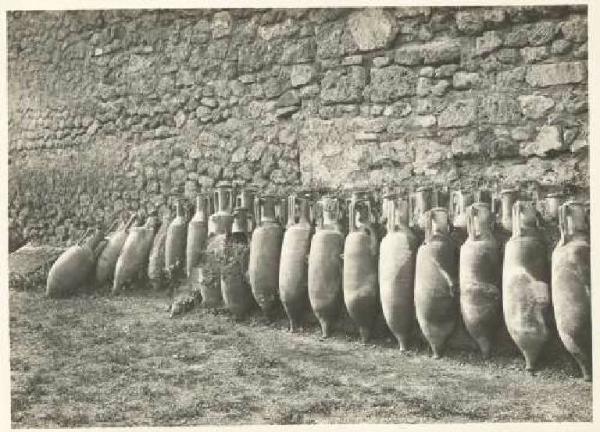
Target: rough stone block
<point x="247" y="78"/>
<point x="375" y="110"/>
<point x="499" y="109"/>
<point x="279" y="30"/>
<point x="522" y="133"/>
<point x="423" y="86"/>
<point x="286" y="112"/>
<point x="575" y="29"/>
<point x="494" y="15"/>
<point x="339" y="86"/>
<point x="576" y="102"/>
<point x="322" y="158"/>
<point x="209" y="102"/>
<point x="367" y="124"/>
<point x="180" y="119"/>
<point x="343" y="109"/>
<point x="465" y="80"/>
<point x="221" y="24"/>
<point x="309" y="91"/>
<point x="459" y="113"/>
<point x="548" y="139"/>
<point x="203" y="113"/>
<point x="421" y="121"/>
<point x="329" y="63"/>
<point x="569" y="135"/>
<point x="466" y="145"/>
<point x="535" y="106"/>
<point x="398" y="109"/>
<point x="427" y="71"/>
<point x="138" y="63"/>
<point x="379" y="62"/>
<point x="560" y="46"/>
<point x="365" y="136"/>
<point x="300" y="51"/>
<point x="446" y="71"/>
<point x="185" y="77"/>
<point x="355" y="60"/>
<point x="257" y="150"/>
<point x="190" y="189"/>
<point x="545" y="75"/>
<point x="274" y="87"/>
<point x="578" y="144"/>
<point x="287" y="99"/>
<point x="541" y="33"/>
<point x="250" y="58"/>
<point x="287" y="136"/>
<point x="441" y="51"/>
<point x="396" y="127"/>
<point x="581" y="52"/>
<point x="517" y="38"/>
<point x="440" y="88"/>
<point x="424" y="106"/>
<point x="469" y="21"/>
<point x="391" y="83"/>
<point x="502" y="148"/>
<point x="511" y="78"/>
<point x="408" y="27"/>
<point x="328" y="37"/>
<point x="239" y="155"/>
<point x="408" y="55"/>
<point x="393" y="153"/>
<point x="428" y="154"/>
<point x="412" y="12"/>
<point x="490" y="41"/>
<point x="535" y="54"/>
<point x="372" y="28"/>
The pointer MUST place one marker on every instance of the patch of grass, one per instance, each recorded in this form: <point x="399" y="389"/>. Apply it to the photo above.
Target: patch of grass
<point x="66" y="418"/>
<point x="104" y="361"/>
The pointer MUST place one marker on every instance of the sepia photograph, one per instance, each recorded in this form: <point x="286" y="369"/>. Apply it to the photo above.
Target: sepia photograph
<point x="298" y="215"/>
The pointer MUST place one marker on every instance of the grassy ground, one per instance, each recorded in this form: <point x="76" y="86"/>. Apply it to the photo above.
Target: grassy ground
<point x="96" y="360"/>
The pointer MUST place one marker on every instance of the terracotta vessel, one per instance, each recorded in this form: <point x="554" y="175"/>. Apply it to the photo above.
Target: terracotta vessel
<point x="325" y="265"/>
<point x="526" y="284"/>
<point x="293" y="265"/>
<point x="397" y="255"/>
<point x="436" y="282"/>
<point x="481" y="278"/>
<point x="571" y="285"/>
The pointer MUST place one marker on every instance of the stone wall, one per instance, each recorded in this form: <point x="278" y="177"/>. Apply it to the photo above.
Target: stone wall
<point x="131" y="109"/>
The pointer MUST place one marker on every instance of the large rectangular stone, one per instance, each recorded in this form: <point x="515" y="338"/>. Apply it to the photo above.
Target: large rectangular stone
<point x="545" y="75"/>
<point x="322" y="158"/>
<point x="428" y="154"/>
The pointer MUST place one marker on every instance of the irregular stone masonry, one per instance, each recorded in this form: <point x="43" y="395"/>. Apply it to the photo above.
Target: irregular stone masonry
<point x="134" y="108"/>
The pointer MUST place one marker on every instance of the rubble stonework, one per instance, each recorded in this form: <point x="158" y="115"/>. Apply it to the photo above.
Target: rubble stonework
<point x="131" y="109"/>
